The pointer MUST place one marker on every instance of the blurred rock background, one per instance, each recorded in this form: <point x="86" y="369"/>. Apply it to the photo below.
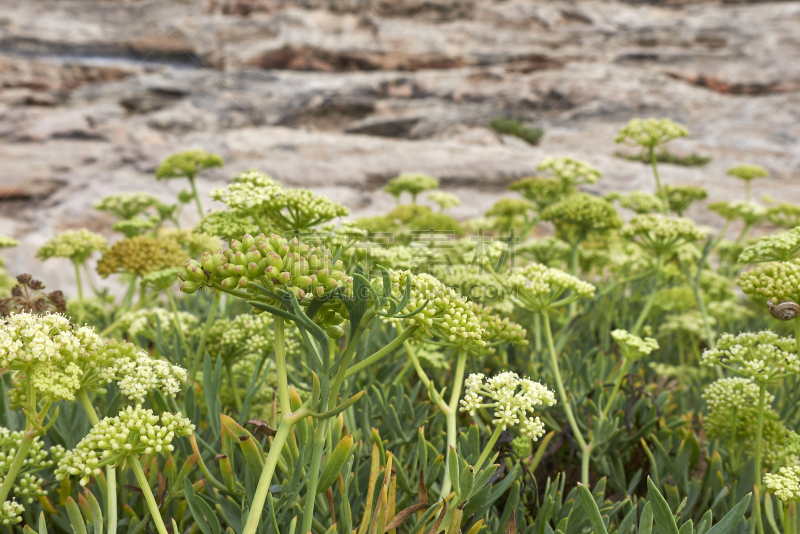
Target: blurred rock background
<point x="341" y="95"/>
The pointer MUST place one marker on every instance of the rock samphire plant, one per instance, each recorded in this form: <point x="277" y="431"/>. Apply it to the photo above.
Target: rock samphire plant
<point x="554" y="366"/>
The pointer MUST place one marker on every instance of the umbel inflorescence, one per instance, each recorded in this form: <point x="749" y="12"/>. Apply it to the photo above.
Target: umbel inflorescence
<point x="115" y="440"/>
<point x="512" y="398"/>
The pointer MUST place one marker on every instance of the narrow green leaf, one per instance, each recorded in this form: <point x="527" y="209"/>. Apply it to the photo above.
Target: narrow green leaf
<point x="590" y="507"/>
<point x="661" y="512"/>
<point x="731" y="519"/>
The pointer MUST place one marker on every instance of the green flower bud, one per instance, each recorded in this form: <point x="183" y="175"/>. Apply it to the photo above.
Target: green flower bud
<point x="334" y="332"/>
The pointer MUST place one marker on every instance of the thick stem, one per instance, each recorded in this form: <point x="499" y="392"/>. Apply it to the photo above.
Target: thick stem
<point x="201" y="349"/>
<point x="747" y="190"/>
<point x="260" y="497"/>
<point x="318" y="448"/>
<point x="487" y="451"/>
<point x="111" y="492"/>
<point x="586" y="456"/>
<point x="148" y="495"/>
<point x="78" y="282"/>
<point x="196" y="196"/>
<point x="659" y="190"/>
<point x="537" y="333"/>
<point x="280" y="368"/>
<point x="451" y="415"/>
<point x="791" y="510"/>
<point x="562" y="394"/>
<point x="347" y="355"/>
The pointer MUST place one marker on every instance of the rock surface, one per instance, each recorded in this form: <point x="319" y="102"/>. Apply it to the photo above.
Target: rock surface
<point x="341" y="95"/>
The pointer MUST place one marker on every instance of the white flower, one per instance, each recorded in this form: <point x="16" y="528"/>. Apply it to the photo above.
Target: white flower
<point x="511" y="407"/>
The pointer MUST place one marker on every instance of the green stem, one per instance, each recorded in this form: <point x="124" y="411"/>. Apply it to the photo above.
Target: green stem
<point x="487" y="451"/>
<point x="586" y="456"/>
<point x="260" y="497"/>
<point x="650" y="299"/>
<point x="562" y="394"/>
<point x="732" y="445"/>
<point x="762" y="396"/>
<point x="537" y="333"/>
<point x="236" y="396"/>
<point x="747" y="190"/>
<point x="201" y="349"/>
<point x="623" y="372"/>
<point x="260" y="222"/>
<point x="318" y="447"/>
<point x="347" y="355"/>
<point x="196" y="196"/>
<point x="280" y="367"/>
<point x="791" y="510"/>
<point x="797" y="334"/>
<point x="148" y="494"/>
<point x="659" y="189"/>
<point x="573" y="267"/>
<point x="78" y="281"/>
<point x="377" y="356"/>
<point x="178" y="328"/>
<point x="111" y="497"/>
<point x="451" y="415"/>
<point x="25" y="446"/>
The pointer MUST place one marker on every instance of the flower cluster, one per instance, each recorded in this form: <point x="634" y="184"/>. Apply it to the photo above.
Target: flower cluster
<point x="734" y="393"/>
<point x="578" y="215"/>
<point x="27" y="486"/>
<point x="133" y="432"/>
<point x="140" y="255"/>
<point x="785" y="484"/>
<point x="245" y="334"/>
<point x="688" y="322"/>
<point x="126" y="206"/>
<point x="638" y="201"/>
<point x="650" y="133"/>
<point x="6" y="242"/>
<point x="187" y="164"/>
<point x="761" y="357"/>
<point x="733" y="411"/>
<point x="76" y="245"/>
<point x="498" y="329"/>
<point x="228" y="224"/>
<point x="539" y="287"/>
<point x="548" y="251"/>
<point x="661" y="235"/>
<point x="732" y="210"/>
<point x="634" y="347"/>
<point x="778" y="282"/>
<point x="50" y="351"/>
<point x="413" y="183"/>
<point x="511" y="407"/>
<point x="250" y="192"/>
<point x="138" y="374"/>
<point x="784" y="215"/>
<point x="301" y="209"/>
<point x="444" y="200"/>
<point x="773" y="247"/>
<point x="163" y="279"/>
<point x="135" y="226"/>
<point x="146" y="322"/>
<point x="446" y="315"/>
<point x="570" y="171"/>
<point x="274" y="262"/>
<point x="680" y="197"/>
<point x="542" y="192"/>
<point x="27" y="296"/>
<point x="11" y="514"/>
<point x="748" y="173"/>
